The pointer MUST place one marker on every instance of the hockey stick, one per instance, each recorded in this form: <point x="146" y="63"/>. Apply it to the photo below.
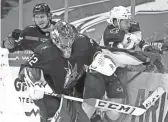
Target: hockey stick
<point x="122" y="108"/>
<point x="97" y="103"/>
<point x="135" y="76"/>
<point x="153" y="98"/>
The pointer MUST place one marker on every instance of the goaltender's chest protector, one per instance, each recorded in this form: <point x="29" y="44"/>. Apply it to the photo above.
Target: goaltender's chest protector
<point x="75" y="65"/>
<point x="64" y="72"/>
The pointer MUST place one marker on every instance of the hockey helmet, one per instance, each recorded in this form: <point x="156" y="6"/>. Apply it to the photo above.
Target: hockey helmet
<point x="41" y="8"/>
<point x="118" y="13"/>
<point x="64" y="36"/>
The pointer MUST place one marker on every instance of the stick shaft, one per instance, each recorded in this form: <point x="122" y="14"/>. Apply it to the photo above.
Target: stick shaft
<point x="65" y="96"/>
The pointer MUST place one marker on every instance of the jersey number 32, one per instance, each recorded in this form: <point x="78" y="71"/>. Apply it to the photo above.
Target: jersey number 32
<point x="33" y="60"/>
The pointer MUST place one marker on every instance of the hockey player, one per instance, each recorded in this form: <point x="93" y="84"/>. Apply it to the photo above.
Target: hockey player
<point x="32" y="36"/>
<point x="62" y="62"/>
<point x="121" y="31"/>
<point x="124" y="32"/>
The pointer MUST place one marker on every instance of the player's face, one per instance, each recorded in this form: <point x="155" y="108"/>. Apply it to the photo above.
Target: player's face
<point x="125" y="25"/>
<point x="41" y="20"/>
<point x="66" y="46"/>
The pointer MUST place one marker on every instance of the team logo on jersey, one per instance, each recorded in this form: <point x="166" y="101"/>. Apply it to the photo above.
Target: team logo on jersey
<point x="114" y="30"/>
<point x="71" y="74"/>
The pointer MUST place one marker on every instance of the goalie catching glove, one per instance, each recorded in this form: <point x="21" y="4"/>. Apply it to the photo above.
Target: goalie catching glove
<point x="36" y="92"/>
<point x="35" y="82"/>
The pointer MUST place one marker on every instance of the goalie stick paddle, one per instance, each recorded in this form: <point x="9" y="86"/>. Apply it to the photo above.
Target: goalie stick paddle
<point x="107" y="105"/>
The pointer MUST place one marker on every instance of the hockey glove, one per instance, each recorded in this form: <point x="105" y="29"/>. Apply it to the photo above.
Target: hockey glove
<point x="34" y="84"/>
<point x="9" y="43"/>
<point x="165" y="46"/>
<point x="16" y="33"/>
<point x="36" y="92"/>
<point x="152" y="49"/>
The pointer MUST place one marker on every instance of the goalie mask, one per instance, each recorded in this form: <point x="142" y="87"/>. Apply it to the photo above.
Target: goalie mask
<point x="63" y="37"/>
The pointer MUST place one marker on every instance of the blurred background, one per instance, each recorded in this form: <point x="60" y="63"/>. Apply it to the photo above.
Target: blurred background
<point x="12" y="17"/>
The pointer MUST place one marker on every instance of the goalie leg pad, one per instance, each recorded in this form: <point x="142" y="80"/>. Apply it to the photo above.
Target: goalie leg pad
<point x="114" y="88"/>
<point x="94" y="86"/>
<point x="70" y="111"/>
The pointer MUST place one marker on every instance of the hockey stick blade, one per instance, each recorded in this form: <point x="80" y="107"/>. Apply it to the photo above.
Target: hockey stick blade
<point x="122" y="108"/>
<point x="153" y="98"/>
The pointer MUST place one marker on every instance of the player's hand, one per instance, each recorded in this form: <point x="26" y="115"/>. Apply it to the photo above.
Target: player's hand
<point x="152" y="49"/>
<point x="16" y="34"/>
<point x="36" y="92"/>
<point x="165" y="46"/>
<point x="35" y="86"/>
<point x="9" y="43"/>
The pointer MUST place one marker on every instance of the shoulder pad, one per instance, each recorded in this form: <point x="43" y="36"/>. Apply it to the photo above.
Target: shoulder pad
<point x="28" y="28"/>
<point x="83" y="38"/>
<point x="32" y="26"/>
<point x="53" y="22"/>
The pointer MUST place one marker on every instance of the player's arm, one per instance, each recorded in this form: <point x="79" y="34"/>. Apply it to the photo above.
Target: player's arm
<point x="11" y="41"/>
<point x="154" y="47"/>
<point x="22" y="42"/>
<point x="32" y="73"/>
<point x="112" y="37"/>
<point x="37" y="61"/>
<point x="135" y="30"/>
